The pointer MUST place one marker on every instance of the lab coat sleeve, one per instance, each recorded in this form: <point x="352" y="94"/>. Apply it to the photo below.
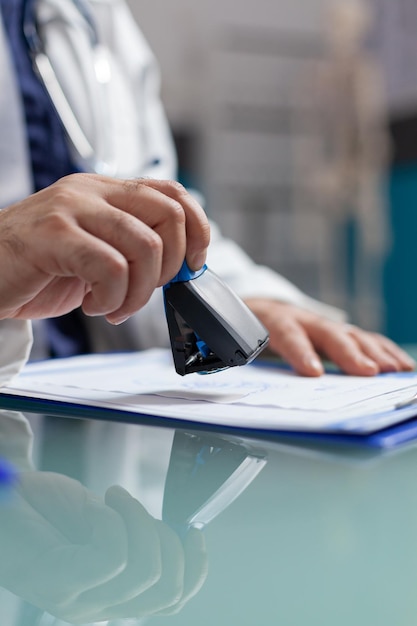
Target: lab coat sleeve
<point x="15" y="344"/>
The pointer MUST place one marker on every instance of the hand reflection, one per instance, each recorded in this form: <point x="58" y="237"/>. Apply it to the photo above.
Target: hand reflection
<point x="81" y="559"/>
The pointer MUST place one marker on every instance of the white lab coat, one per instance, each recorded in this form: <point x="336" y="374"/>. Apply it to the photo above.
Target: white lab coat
<point x="130" y="100"/>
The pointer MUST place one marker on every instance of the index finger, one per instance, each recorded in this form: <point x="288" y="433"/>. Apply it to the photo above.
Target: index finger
<point x="341" y="348"/>
<point x="289" y="339"/>
<point x="197" y="224"/>
<point x="196" y="569"/>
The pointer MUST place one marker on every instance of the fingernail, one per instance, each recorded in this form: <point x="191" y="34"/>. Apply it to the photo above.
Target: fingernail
<point x="119" y="321"/>
<point x="315" y="364"/>
<point x="197" y="262"/>
<point x="369" y="364"/>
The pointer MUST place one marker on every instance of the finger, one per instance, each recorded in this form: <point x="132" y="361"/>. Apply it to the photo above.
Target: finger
<point x="196" y="569"/>
<point x="163" y="214"/>
<point x="289" y="339"/>
<point x="197" y="225"/>
<point x="143" y="567"/>
<point x="167" y="218"/>
<point x="66" y="569"/>
<point x="167" y="591"/>
<point x="384" y="361"/>
<point x="118" y="257"/>
<point x="383" y="351"/>
<point x="340" y="347"/>
<point x="196" y="564"/>
<point x="103" y="268"/>
<point x="172" y="212"/>
<point x="142" y="250"/>
<point x="372" y="347"/>
<point x="76" y="237"/>
<point x="407" y="363"/>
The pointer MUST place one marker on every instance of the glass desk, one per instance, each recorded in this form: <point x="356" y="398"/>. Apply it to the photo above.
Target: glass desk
<point x="254" y="531"/>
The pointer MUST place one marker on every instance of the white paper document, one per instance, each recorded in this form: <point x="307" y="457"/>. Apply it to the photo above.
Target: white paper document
<point x="253" y="396"/>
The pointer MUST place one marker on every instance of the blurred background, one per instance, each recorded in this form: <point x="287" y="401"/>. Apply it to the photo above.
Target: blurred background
<point x="298" y="122"/>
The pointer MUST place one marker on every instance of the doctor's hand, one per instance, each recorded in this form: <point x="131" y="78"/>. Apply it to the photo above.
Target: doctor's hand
<point x="301" y="338"/>
<point x="83" y="559"/>
<point x="101" y="243"/>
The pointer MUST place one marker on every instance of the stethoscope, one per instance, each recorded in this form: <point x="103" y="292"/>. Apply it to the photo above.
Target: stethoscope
<point x="47" y="74"/>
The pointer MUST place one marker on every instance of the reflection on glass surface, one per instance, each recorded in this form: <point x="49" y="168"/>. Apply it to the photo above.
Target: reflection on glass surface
<point x="323" y="536"/>
<point x="205" y="474"/>
<point x="75" y="556"/>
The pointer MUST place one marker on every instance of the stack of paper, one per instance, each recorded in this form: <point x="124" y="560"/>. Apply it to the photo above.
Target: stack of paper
<point x="251" y="397"/>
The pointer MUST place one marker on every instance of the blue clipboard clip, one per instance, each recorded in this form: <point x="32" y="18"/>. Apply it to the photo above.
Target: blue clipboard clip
<point x="210" y="327"/>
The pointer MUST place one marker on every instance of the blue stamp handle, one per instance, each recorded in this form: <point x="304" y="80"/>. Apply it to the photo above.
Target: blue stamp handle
<point x="185" y="274"/>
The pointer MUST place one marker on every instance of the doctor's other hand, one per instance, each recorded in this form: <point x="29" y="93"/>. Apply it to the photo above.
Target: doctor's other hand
<point x="83" y="559"/>
<point x="101" y="243"/>
<point x="301" y="338"/>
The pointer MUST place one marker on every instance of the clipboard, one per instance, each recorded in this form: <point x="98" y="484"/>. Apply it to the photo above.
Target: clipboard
<point x="397" y="426"/>
<point x="394" y="436"/>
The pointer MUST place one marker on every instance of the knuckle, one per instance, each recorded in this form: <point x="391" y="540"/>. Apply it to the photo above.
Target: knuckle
<point x="205" y="234"/>
<point x="71" y="181"/>
<point x="137" y="186"/>
<point x="152" y="244"/>
<point x="108" y="269"/>
<point x="176" y="213"/>
<point x="350" y="328"/>
<point x="65" y="192"/>
<point x="116" y="268"/>
<point x="177" y="188"/>
<point x="284" y="330"/>
<point x="53" y="223"/>
<point x="118" y="224"/>
<point x="133" y="184"/>
<point x="326" y="328"/>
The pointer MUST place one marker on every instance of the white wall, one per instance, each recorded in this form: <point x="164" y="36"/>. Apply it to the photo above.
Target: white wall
<point x="184" y="34"/>
<point x="397" y="48"/>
